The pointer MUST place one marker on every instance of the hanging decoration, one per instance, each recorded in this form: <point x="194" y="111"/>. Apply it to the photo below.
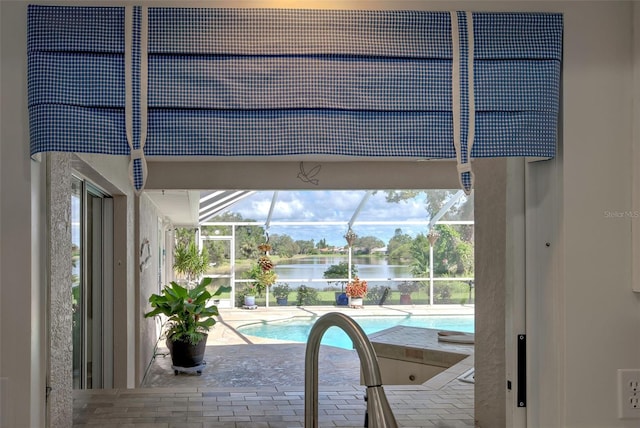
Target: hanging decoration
<point x="350" y="236"/>
<point x="145" y="254"/>
<point x="266" y="276"/>
<point x="433" y="237"/>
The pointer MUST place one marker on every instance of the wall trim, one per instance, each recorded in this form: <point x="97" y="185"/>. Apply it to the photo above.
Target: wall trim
<point x="635" y="143"/>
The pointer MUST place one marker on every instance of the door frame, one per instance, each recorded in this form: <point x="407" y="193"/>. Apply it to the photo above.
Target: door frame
<point x="103" y="301"/>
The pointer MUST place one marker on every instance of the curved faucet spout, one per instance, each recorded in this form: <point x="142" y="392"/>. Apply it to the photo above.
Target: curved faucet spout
<point x="378" y="409"/>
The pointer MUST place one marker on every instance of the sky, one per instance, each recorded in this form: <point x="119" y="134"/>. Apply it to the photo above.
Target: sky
<point x="335" y="206"/>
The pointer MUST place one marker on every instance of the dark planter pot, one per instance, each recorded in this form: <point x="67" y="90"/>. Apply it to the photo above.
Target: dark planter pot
<point x="282" y="301"/>
<point x="341" y="299"/>
<point x="184" y="354"/>
<point x="405" y="299"/>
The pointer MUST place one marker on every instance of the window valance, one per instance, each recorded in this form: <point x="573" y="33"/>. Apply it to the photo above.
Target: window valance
<point x="141" y="81"/>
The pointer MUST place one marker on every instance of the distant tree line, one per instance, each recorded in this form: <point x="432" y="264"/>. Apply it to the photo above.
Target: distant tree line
<point x="249" y="237"/>
<point x="452" y="253"/>
<point x="453" y="250"/>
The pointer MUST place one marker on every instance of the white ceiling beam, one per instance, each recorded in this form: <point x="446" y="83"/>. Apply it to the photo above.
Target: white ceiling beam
<point x="364" y="200"/>
<point x="445" y="208"/>
<point x="274" y="199"/>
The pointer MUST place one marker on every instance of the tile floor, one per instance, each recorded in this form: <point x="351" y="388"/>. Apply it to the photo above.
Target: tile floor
<point x="234" y="391"/>
<point x="257" y="365"/>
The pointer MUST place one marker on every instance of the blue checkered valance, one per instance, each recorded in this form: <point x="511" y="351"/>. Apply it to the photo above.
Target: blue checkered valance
<point x="143" y="81"/>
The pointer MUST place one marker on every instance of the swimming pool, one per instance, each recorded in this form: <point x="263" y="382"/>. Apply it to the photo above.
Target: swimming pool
<point x="297" y="329"/>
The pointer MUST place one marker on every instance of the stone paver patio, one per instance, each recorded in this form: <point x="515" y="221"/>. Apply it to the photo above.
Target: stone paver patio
<point x="255" y="382"/>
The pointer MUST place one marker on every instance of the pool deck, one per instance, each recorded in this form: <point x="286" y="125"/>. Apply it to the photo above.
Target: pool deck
<point x="258" y="382"/>
<point x="234" y="318"/>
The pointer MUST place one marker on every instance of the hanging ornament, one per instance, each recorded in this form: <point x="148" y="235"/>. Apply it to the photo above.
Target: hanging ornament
<point x="265" y="263"/>
<point x="350" y="236"/>
<point x="265" y="248"/>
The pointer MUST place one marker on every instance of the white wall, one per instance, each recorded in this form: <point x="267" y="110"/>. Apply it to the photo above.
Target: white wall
<point x="583" y="318"/>
<point x="636" y="143"/>
<point x="597" y="316"/>
<point x="39" y="279"/>
<point x="600" y="315"/>
<point x="18" y="354"/>
<point x="490" y="215"/>
<point x="147" y="334"/>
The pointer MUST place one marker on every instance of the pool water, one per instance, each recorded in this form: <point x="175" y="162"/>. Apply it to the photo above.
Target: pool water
<point x="297" y="329"/>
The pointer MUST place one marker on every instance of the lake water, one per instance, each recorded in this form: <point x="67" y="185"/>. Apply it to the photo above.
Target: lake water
<point x="313" y="267"/>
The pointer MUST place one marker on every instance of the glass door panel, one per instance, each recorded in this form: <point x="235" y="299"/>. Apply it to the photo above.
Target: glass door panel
<point x="76" y="275"/>
<point x="94" y="291"/>
<point x="90" y="262"/>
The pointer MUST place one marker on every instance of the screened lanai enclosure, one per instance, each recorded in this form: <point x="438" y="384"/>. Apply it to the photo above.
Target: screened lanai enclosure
<point x="410" y="246"/>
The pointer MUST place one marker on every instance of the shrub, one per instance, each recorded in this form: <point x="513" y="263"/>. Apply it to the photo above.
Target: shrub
<point x="408" y="287"/>
<point x="307" y="296"/>
<point x="281" y="291"/>
<point x="374" y="295"/>
<point x="189" y="261"/>
<point x="445" y="292"/>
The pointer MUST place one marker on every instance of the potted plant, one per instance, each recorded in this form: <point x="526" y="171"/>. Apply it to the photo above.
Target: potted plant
<point x="189" y="261"/>
<point x="405" y="289"/>
<point x="262" y="273"/>
<point x="306" y="296"/>
<point x="189" y="318"/>
<point x="341" y="270"/>
<point x="356" y="290"/>
<point x="247" y="296"/>
<point x="281" y="292"/>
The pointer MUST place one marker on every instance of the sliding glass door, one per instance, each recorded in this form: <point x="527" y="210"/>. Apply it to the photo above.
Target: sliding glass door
<point x="92" y="254"/>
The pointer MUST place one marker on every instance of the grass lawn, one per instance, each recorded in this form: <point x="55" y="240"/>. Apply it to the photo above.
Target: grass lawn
<point x="449" y="292"/>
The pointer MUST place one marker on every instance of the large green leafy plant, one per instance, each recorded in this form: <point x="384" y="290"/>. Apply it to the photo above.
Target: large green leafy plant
<point x="189" y="316"/>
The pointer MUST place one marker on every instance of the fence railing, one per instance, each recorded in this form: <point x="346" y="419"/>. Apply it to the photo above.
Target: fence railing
<point x="402" y="290"/>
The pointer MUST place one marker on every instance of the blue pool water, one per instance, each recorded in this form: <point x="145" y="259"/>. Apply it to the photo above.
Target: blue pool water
<point x="297" y="329"/>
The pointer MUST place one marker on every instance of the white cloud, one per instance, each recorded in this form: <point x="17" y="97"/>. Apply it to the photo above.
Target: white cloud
<point x="329" y="206"/>
<point x="340" y="206"/>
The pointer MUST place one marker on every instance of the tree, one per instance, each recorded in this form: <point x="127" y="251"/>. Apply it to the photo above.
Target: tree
<point x="185" y="235"/>
<point x="365" y="244"/>
<point x="218" y="251"/>
<point x="321" y="244"/>
<point x="247" y="237"/>
<point x="420" y="255"/>
<point x="399" y="247"/>
<point x="435" y="199"/>
<point x="305" y="246"/>
<point x="340" y="271"/>
<point x="283" y="245"/>
<point x="189" y="261"/>
<point x="248" y="250"/>
<point x="451" y="254"/>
